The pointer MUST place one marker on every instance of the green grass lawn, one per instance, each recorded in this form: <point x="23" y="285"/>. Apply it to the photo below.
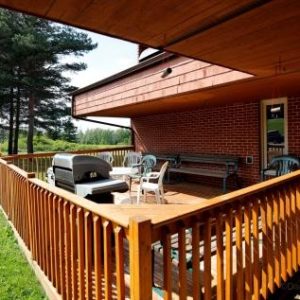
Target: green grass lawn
<point x="17" y="280"/>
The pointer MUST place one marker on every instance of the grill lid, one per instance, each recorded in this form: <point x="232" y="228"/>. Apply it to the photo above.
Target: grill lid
<point x="83" y="167"/>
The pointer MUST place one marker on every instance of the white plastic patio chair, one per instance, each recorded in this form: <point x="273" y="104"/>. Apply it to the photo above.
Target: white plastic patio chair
<point x="146" y="166"/>
<point x="157" y="188"/>
<point x="132" y="159"/>
<point x="107" y="156"/>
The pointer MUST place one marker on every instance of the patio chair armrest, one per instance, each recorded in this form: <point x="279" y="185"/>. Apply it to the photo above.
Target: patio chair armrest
<point x="151" y="175"/>
<point x="136" y="165"/>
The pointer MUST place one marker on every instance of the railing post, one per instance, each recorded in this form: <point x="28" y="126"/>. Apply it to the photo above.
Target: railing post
<point x="140" y="258"/>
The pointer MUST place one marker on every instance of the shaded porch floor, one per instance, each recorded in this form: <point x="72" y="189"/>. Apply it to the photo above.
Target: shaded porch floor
<point x="177" y="193"/>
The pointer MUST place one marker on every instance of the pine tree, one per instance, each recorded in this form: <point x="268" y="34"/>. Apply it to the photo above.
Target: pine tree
<point x="69" y="131"/>
<point x="31" y="52"/>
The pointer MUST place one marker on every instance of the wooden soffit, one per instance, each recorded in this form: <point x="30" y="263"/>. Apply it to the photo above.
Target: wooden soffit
<point x="253" y="36"/>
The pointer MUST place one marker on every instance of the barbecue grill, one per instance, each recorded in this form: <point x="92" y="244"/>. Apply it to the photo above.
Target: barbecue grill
<point x="86" y="176"/>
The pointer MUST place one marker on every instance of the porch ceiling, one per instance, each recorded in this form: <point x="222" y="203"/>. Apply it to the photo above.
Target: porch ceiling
<point x="251" y="89"/>
<point x="255" y="36"/>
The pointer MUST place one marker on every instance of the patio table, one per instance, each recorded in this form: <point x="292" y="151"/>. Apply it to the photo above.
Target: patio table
<point x="123" y="171"/>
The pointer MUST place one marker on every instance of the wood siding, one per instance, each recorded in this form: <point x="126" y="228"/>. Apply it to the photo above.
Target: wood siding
<point x="148" y="85"/>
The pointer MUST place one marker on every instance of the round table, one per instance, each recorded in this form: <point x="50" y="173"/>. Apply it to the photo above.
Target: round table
<point x="123" y="171"/>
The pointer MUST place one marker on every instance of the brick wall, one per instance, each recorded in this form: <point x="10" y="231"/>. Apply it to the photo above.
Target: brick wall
<point x="229" y="129"/>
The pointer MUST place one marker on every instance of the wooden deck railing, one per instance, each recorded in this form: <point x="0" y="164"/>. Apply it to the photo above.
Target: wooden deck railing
<point x="79" y="248"/>
<point x="240" y="245"/>
<point x="40" y="162"/>
<point x="244" y="245"/>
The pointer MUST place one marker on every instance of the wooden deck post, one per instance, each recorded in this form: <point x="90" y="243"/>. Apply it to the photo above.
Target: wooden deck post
<point x="140" y="258"/>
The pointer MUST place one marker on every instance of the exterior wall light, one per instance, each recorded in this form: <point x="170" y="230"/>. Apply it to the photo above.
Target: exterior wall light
<point x="166" y="72"/>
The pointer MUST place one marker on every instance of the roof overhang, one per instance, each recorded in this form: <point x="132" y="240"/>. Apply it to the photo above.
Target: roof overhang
<point x="192" y="84"/>
<point x="246" y="90"/>
<point x="254" y="36"/>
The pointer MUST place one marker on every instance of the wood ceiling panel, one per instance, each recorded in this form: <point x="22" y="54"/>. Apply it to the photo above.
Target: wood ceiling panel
<point x="266" y="36"/>
<point x="35" y="7"/>
<point x="151" y="22"/>
<point x="252" y="36"/>
<point x="67" y="10"/>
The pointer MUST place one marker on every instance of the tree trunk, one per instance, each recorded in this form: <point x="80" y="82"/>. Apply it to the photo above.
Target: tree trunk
<point x="30" y="124"/>
<point x="11" y="122"/>
<point x="17" y="125"/>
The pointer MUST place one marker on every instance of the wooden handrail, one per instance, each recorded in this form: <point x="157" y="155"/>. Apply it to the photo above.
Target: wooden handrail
<point x="46" y="154"/>
<point x="40" y="162"/>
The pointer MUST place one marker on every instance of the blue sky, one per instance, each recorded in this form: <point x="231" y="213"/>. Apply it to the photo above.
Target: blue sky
<point x="110" y="57"/>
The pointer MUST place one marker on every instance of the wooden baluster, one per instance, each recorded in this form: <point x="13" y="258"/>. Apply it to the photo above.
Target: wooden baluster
<point x="282" y="237"/>
<point x="196" y="259"/>
<point x="37" y="170"/>
<point x="277" y="239"/>
<point x="67" y="242"/>
<point x="207" y="259"/>
<point x="25" y="205"/>
<point x="47" y="235"/>
<point x="80" y="245"/>
<point x="25" y="220"/>
<point x="16" y="188"/>
<point x="19" y="206"/>
<point x="42" y="229"/>
<point x="167" y="264"/>
<point x="34" y="221"/>
<point x="248" y="256"/>
<point x="88" y="254"/>
<point x="107" y="231"/>
<point x="182" y="262"/>
<point x="228" y="248"/>
<point x="39" y="232"/>
<point x="256" y="262"/>
<point x="264" y="276"/>
<point x="74" y="245"/>
<point x="98" y="255"/>
<point x="294" y="228"/>
<point x="288" y="232"/>
<point x="298" y="221"/>
<point x="30" y="215"/>
<point x="56" y="281"/>
<point x="61" y="248"/>
<point x="119" y="235"/>
<point x="15" y="202"/>
<point x="51" y="232"/>
<point x="239" y="253"/>
<point x="220" y="256"/>
<point x="270" y="236"/>
<point x="11" y="198"/>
